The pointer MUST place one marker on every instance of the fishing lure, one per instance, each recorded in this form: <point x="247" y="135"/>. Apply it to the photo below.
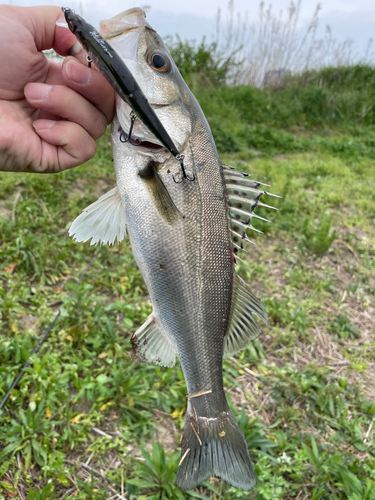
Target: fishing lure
<point x="121" y="79"/>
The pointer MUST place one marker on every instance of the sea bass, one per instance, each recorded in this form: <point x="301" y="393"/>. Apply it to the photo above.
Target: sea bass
<point x="185" y="228"/>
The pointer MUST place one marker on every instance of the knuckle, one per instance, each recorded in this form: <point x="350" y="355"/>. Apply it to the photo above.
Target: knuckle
<point x="90" y="149"/>
<point x="102" y="125"/>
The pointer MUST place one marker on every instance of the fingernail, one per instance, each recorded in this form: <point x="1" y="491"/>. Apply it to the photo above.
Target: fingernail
<point x="43" y="124"/>
<point x="75" y="50"/>
<point x="61" y="22"/>
<point x="78" y="73"/>
<point x="37" y="91"/>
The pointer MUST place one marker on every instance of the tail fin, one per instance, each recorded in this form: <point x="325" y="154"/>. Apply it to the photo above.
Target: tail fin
<point x="214" y="447"/>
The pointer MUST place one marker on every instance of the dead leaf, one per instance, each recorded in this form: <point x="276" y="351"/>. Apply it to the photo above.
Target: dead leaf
<point x="77" y="418"/>
<point x="10" y="267"/>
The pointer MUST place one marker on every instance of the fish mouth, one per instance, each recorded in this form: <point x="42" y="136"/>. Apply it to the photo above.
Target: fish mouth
<point x="137" y="141"/>
<point x="130" y="19"/>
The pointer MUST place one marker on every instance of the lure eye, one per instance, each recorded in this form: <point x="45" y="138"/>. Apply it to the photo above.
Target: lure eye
<point x="71" y="25"/>
<point x="159" y="62"/>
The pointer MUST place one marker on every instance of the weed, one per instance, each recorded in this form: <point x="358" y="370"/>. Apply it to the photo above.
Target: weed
<point x="317" y="237"/>
<point x="344" y="328"/>
<point x="307" y="376"/>
<point x="157" y="474"/>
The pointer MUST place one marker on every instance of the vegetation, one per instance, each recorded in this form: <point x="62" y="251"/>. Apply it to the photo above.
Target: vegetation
<point x="87" y="422"/>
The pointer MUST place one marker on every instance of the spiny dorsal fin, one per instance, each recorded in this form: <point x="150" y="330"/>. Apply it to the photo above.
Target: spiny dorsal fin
<point x="151" y="344"/>
<point x="103" y="221"/>
<point x="243" y="197"/>
<point x="242" y="324"/>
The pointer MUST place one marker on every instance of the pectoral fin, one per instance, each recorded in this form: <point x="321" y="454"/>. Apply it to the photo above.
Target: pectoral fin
<point x="151" y="344"/>
<point x="243" y="326"/>
<point x="103" y="221"/>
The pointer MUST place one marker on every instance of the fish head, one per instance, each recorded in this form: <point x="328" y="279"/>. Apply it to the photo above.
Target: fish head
<point x="152" y="66"/>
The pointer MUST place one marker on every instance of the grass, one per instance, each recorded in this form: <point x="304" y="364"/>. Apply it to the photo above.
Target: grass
<point x="303" y="393"/>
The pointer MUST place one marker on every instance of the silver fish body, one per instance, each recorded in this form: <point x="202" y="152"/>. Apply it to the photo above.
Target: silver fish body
<point x="182" y="236"/>
<point x="184" y="254"/>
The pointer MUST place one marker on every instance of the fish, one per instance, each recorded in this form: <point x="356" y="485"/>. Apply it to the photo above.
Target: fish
<point x="186" y="234"/>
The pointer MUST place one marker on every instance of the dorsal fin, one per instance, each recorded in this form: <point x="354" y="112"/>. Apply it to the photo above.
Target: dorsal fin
<point x="243" y="198"/>
<point x="242" y="324"/>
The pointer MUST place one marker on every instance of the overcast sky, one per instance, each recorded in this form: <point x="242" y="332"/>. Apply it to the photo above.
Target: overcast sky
<point x="353" y="19"/>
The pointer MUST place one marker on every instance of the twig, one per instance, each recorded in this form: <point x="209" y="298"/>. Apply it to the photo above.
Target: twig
<point x="101" y="433"/>
<point x="245" y="369"/>
<point x="99" y="474"/>
<point x="184" y="456"/>
<point x="45" y="209"/>
<point x="20" y="494"/>
<point x="368" y="431"/>
<point x="18" y="196"/>
<point x="350" y="249"/>
<point x="90" y="458"/>
<point x="122" y="481"/>
<point x="67" y="493"/>
<point x="196" y="434"/>
<point x="200" y="393"/>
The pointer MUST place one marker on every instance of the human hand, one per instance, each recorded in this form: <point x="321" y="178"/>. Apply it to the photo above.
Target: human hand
<point x="51" y="124"/>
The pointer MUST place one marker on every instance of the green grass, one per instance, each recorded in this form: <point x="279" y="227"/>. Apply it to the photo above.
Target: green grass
<point x="303" y="392"/>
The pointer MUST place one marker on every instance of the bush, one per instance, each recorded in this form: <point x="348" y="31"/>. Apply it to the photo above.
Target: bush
<point x="201" y="63"/>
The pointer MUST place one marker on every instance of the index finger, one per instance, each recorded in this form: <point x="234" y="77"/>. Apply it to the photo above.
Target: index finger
<point x="90" y="84"/>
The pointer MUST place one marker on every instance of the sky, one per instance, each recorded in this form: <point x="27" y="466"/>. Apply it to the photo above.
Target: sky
<point x="353" y="19"/>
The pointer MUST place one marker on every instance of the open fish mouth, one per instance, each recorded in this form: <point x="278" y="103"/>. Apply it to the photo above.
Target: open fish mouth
<point x="136" y="133"/>
<point x="129" y="25"/>
<point x="138" y="142"/>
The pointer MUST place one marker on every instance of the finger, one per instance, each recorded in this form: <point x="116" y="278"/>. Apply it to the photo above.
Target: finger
<point x="41" y="22"/>
<point x="91" y="84"/>
<point x="64" y="102"/>
<point x="65" y="145"/>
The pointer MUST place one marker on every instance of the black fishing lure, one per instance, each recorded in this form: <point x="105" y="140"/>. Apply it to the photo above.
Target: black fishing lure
<point x="120" y="78"/>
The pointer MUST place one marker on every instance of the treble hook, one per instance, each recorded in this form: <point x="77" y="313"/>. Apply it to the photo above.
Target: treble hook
<point x="89" y="61"/>
<point x="183" y="174"/>
<point x="133" y="117"/>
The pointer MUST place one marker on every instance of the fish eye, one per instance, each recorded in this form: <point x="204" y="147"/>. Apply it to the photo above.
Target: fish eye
<point x="159" y="62"/>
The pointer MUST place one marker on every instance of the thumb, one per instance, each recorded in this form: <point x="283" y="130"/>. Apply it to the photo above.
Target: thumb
<point x="41" y="22"/>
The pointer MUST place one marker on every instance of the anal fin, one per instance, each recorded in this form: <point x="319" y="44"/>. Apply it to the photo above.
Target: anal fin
<point x="242" y="325"/>
<point x="151" y="344"/>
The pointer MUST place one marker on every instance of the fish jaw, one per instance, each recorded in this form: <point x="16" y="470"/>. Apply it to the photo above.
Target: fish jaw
<point x="129" y="20"/>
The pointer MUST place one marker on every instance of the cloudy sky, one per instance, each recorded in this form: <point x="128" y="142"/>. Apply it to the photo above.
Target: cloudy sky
<point x="353" y="19"/>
